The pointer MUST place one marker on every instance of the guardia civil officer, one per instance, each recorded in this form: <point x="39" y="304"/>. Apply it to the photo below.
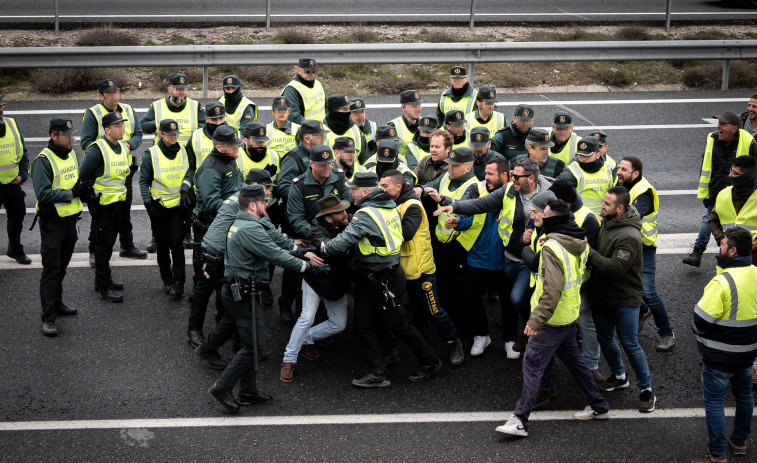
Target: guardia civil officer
<point x="538" y="145"/>
<point x="338" y="122"/>
<point x="481" y="145"/>
<point x="485" y="115"/>
<point x="511" y="141"/>
<point x="55" y="173"/>
<point x="255" y="154"/>
<point x="14" y="170"/>
<point x="460" y="95"/>
<point x="281" y="131"/>
<point x="240" y="110"/>
<point x="188" y="113"/>
<point x="305" y="93"/>
<point x="564" y="138"/>
<point x="160" y="179"/>
<point x="420" y="147"/>
<point x="367" y="127"/>
<point x="407" y="124"/>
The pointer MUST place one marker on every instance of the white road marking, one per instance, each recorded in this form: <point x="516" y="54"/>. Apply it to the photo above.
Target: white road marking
<point x="314" y="420"/>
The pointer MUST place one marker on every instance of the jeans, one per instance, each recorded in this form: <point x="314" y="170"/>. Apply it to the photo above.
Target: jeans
<point x="624" y="320"/>
<point x="715" y="386"/>
<point x="520" y="296"/>
<point x="703" y="238"/>
<point x="650" y="297"/>
<point x="304" y="331"/>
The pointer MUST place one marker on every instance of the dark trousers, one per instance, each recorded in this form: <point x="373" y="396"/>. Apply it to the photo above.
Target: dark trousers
<point x="125" y="228"/>
<point x="371" y="311"/>
<point x="201" y="292"/>
<point x="12" y="198"/>
<point x="451" y="265"/>
<point x="105" y="224"/>
<point x="291" y="291"/>
<point x="422" y="294"/>
<point x="58" y="237"/>
<point x="478" y="282"/>
<point x="168" y="230"/>
<point x="539" y="351"/>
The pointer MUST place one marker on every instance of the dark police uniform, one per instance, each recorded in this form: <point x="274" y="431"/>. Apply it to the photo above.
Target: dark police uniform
<point x="307" y="99"/>
<point x="552" y="167"/>
<point x="14" y="163"/>
<point x="240" y="110"/>
<point x="479" y="136"/>
<point x="510" y="141"/>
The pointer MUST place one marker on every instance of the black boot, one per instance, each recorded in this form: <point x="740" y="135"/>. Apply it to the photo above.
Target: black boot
<point x="695" y="258"/>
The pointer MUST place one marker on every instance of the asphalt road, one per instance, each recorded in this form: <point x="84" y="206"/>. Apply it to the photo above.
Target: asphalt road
<point x="120" y="384"/>
<point x="323" y="11"/>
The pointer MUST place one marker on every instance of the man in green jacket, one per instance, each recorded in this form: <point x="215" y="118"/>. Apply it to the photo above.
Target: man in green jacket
<point x="511" y="141"/>
<point x="305" y="93"/>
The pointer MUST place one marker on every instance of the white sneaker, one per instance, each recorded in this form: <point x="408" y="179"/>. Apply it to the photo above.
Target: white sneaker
<point x="511" y="354"/>
<point x="514" y="427"/>
<point x="479" y="344"/>
<point x="588" y="414"/>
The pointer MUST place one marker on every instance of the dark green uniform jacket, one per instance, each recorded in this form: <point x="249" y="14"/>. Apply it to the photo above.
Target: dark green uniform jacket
<point x="293" y="164"/>
<point x="510" y="142"/>
<point x="479" y="164"/>
<point x="302" y="205"/>
<point x="217" y="178"/>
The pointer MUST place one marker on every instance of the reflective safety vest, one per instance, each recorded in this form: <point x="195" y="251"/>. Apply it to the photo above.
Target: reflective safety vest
<point x="573" y="267"/>
<point x="279" y="140"/>
<point x="649" y="222"/>
<point x="444" y="234"/>
<point x="65" y="176"/>
<point x="496" y="122"/>
<point x="167" y="175"/>
<point x="462" y="144"/>
<point x="417" y="256"/>
<point x="371" y="135"/>
<point x="186" y="118"/>
<point x="416" y="151"/>
<point x="536" y="247"/>
<point x="11" y="152"/>
<point x="353" y="132"/>
<point x="747" y="216"/>
<point x="245" y="164"/>
<point x="568" y="150"/>
<point x="592" y="187"/>
<point x="201" y="145"/>
<point x="390" y="224"/>
<point x="312" y="98"/>
<point x="581" y="215"/>
<point x="745" y="140"/>
<point x="610" y="161"/>
<point x="468" y="237"/>
<point x="465" y="104"/>
<point x="405" y="135"/>
<point x="235" y="118"/>
<point x="111" y="185"/>
<point x="356" y="167"/>
<point x="507" y="213"/>
<point x="130" y="121"/>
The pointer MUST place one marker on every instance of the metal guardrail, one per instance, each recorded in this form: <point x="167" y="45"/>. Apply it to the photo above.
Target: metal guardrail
<point x="471" y="53"/>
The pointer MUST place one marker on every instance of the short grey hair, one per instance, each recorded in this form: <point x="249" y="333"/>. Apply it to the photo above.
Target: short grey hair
<point x="530" y="167"/>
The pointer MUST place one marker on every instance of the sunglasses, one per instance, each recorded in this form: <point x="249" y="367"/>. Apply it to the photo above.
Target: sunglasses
<point x="518" y="177"/>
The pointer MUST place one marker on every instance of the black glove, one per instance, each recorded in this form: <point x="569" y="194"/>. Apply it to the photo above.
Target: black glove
<point x="319" y="269"/>
<point x="372" y="146"/>
<point x="187" y="200"/>
<point x="82" y="189"/>
<point x="271" y="169"/>
<point x="301" y="251"/>
<point x="153" y="210"/>
<point x="133" y="168"/>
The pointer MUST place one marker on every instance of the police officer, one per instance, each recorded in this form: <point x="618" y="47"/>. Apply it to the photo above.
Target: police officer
<point x="603" y="148"/>
<point x="538" y="145"/>
<point x="339" y="123"/>
<point x="376" y="231"/>
<point x="107" y="163"/>
<point x="367" y="127"/>
<point x="55" y="174"/>
<point x="249" y="250"/>
<point x="460" y="95"/>
<point x="590" y="176"/>
<point x="14" y="170"/>
<point x="188" y="113"/>
<point x="344" y="158"/>
<point x="91" y="130"/>
<point x="485" y="115"/>
<point x="454" y="123"/>
<point x="419" y="148"/>
<point x="562" y="135"/>
<point x="387" y="159"/>
<point x="384" y="132"/>
<point x="255" y="154"/>
<point x="240" y="110"/>
<point x="295" y="162"/>
<point x="481" y="145"/>
<point x="511" y="141"/>
<point x="281" y="131"/>
<point x="407" y="124"/>
<point x="305" y="93"/>
<point x="200" y="144"/>
<point x="160" y="179"/>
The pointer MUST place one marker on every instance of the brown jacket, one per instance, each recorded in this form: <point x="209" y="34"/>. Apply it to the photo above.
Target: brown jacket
<point x="426" y="171"/>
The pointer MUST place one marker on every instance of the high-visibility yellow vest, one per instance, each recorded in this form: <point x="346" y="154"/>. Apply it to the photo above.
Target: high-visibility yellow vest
<point x="573" y="267"/>
<point x="648" y="222"/>
<point x="353" y="132"/>
<point x="465" y="104"/>
<point x="592" y="186"/>
<point x="507" y="214"/>
<point x="245" y="164"/>
<point x="416" y="151"/>
<point x="130" y="120"/>
<point x="496" y="122"/>
<point x="167" y="175"/>
<point x="390" y="224"/>
<point x="747" y="216"/>
<point x="568" y="150"/>
<point x="443" y="234"/>
<point x="186" y="118"/>
<point x="735" y="287"/>
<point x="581" y="215"/>
<point x="536" y="246"/>
<point x="371" y="135"/>
<point x="468" y="237"/>
<point x="202" y="146"/>
<point x="11" y="151"/>
<point x="279" y="140"/>
<point x="65" y="175"/>
<point x="356" y="167"/>
<point x="745" y="140"/>
<point x="416" y="256"/>
<point x="405" y="135"/>
<point x="313" y="99"/>
<point x="112" y="184"/>
<point x="462" y="144"/>
<point x="235" y="118"/>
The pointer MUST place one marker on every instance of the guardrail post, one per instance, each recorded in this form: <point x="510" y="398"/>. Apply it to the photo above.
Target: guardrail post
<point x="57" y="29"/>
<point x="204" y="81"/>
<point x="267" y="15"/>
<point x="471" y="70"/>
<point x="472" y="7"/>
<point x="726" y="72"/>
<point x="667" y="16"/>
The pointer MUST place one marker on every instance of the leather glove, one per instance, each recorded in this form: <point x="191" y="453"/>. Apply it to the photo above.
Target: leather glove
<point x="300" y="252"/>
<point x="317" y="270"/>
<point x="271" y="169"/>
<point x="133" y="168"/>
<point x="153" y="210"/>
<point x="81" y="189"/>
<point x="187" y="200"/>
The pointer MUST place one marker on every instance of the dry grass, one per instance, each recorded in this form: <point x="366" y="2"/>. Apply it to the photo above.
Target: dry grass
<point x="106" y="36"/>
<point x="60" y="81"/>
<point x="293" y="36"/>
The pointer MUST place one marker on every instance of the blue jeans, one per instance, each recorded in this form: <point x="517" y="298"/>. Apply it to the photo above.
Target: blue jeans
<point x="715" y="385"/>
<point x="704" y="231"/>
<point x="305" y="332"/>
<point x="624" y="320"/>
<point x="520" y="296"/>
<point x="650" y="297"/>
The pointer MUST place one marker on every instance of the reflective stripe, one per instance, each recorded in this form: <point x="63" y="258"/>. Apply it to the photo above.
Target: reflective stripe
<point x="706" y="173"/>
<point x="390" y="244"/>
<point x="13" y="129"/>
<point x="650" y="232"/>
<point x="736" y="349"/>
<point x="704" y="185"/>
<point x="734" y="295"/>
<point x="186" y="118"/>
<point x="649" y="218"/>
<point x="723" y="322"/>
<point x="570" y="282"/>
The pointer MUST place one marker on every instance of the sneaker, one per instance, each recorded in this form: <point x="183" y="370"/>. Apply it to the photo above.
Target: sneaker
<point x="308" y="352"/>
<point x="455" y="351"/>
<point x="643" y="319"/>
<point x="738" y="449"/>
<point x="612" y="383"/>
<point x="512" y="354"/>
<point x="49" y="328"/>
<point x="514" y="427"/>
<point x="667" y="343"/>
<point x="589" y="414"/>
<point x="392" y="356"/>
<point x="479" y="344"/>
<point x="287" y="372"/>
<point x="543" y="397"/>
<point x="598" y="378"/>
<point x="710" y="459"/>
<point x="371" y="380"/>
<point x="648" y="401"/>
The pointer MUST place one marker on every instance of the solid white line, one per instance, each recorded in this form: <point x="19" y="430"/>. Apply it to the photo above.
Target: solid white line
<point x="303" y="420"/>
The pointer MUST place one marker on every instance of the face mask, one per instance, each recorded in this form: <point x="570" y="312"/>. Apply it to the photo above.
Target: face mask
<point x="743" y="185"/>
<point x="256" y="154"/>
<point x="424" y="140"/>
<point x="211" y="128"/>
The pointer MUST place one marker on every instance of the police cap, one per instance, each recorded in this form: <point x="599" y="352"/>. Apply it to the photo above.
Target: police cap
<point x="386" y="151"/>
<point x="107" y="86"/>
<point x="231" y="81"/>
<point x="344" y="144"/>
<point x="459" y="156"/>
<point x="62" y="125"/>
<point x="310" y="126"/>
<point x="410" y="97"/>
<point x="178" y="80"/>
<point x="428" y="123"/>
<point x="256" y="131"/>
<point x="307" y="64"/>
<point x="259" y="176"/>
<point x="587" y="146"/>
<point x="364" y="180"/>
<point x="387" y="132"/>
<point x="454" y="117"/>
<point x="227" y="134"/>
<point x="458" y="71"/>
<point x="540" y="137"/>
<point x="280" y="103"/>
<point x="252" y="192"/>
<point x="214" y="110"/>
<point x="479" y="136"/>
<point x="112" y="118"/>
<point x="601" y="136"/>
<point x="487" y="94"/>
<point x="357" y="104"/>
<point x="321" y="153"/>
<point x="336" y="101"/>
<point x="524" y="111"/>
<point x="168" y="126"/>
<point x="563" y="119"/>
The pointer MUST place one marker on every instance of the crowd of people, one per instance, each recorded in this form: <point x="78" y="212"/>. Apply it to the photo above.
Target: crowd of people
<point x="436" y="213"/>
